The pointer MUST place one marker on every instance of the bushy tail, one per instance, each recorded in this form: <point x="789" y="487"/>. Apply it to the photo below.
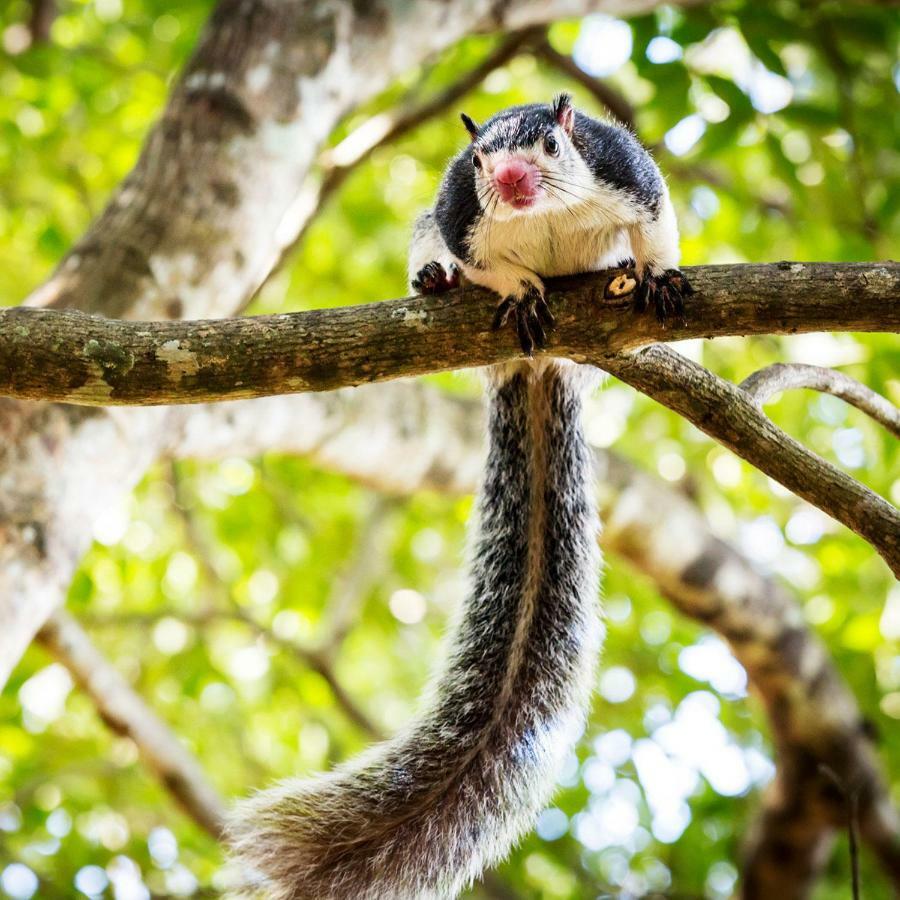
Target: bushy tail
<point x="422" y="815"/>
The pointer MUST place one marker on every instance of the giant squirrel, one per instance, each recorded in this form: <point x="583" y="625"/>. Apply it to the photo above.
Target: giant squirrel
<point x="541" y="190"/>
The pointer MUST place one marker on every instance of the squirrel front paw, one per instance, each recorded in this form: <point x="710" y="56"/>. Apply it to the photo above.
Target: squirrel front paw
<point x="666" y="292"/>
<point x="533" y="318"/>
<point x="433" y="278"/>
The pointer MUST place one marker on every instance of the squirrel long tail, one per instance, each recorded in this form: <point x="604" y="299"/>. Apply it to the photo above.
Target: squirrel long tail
<point x="422" y="815"/>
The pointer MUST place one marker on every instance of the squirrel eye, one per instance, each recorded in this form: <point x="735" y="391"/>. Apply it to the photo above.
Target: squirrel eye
<point x="476" y="160"/>
<point x="551" y="145"/>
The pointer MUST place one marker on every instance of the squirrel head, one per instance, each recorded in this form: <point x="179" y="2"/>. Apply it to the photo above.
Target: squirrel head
<point x="524" y="160"/>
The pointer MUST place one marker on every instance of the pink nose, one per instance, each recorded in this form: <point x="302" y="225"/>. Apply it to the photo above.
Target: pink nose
<point x="516" y="179"/>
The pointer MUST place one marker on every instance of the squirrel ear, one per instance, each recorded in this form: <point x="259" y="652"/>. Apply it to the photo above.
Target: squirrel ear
<point x="563" y="112"/>
<point x="471" y="127"/>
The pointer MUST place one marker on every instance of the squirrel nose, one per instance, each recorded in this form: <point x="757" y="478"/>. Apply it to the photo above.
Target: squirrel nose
<point x="511" y="171"/>
<point x="516" y="180"/>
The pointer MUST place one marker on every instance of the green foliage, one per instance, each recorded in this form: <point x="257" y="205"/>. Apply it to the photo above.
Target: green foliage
<point x="797" y="159"/>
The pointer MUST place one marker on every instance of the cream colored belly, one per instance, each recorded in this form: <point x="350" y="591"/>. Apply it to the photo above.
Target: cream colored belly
<point x="549" y="247"/>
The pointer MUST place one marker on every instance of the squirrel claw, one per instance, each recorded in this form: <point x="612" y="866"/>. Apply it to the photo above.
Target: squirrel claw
<point x="533" y="319"/>
<point x="433" y="278"/>
<point x="666" y="292"/>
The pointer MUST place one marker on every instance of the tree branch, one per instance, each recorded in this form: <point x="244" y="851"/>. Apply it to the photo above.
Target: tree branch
<point x="729" y="415"/>
<point x="814" y="716"/>
<point x="763" y="384"/>
<point x="68" y="356"/>
<point x="126" y="713"/>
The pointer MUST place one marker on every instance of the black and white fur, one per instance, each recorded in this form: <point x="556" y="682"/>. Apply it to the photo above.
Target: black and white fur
<point x="421" y="816"/>
<point x="604" y="202"/>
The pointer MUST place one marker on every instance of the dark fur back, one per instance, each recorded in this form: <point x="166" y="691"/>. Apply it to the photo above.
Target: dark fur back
<point x="422" y="815"/>
<point x="616" y="157"/>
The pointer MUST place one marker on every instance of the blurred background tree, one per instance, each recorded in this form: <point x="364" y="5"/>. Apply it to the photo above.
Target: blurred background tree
<point x="278" y="615"/>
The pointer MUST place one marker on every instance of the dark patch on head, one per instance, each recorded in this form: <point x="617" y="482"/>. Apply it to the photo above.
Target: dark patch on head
<point x="616" y="158"/>
<point x="518" y="126"/>
<point x="174" y="308"/>
<point x="239" y="259"/>
<point x="457" y="205"/>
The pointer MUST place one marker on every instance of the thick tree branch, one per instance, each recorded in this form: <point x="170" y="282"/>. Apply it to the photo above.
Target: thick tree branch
<point x="814" y="717"/>
<point x="729" y="415"/>
<point x="126" y="713"/>
<point x="68" y="356"/>
<point x="773" y="379"/>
